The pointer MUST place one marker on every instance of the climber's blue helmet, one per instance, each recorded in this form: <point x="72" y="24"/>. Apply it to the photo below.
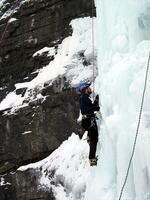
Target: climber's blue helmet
<point x="84" y="85"/>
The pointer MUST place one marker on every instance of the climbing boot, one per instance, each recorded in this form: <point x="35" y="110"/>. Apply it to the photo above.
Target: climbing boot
<point x="88" y="139"/>
<point x="93" y="161"/>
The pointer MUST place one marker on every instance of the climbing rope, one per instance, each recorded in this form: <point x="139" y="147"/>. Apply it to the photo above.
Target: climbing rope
<point x="93" y="51"/>
<point x="137" y="130"/>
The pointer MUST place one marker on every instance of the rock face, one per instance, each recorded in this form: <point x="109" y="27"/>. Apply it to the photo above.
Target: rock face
<point x="33" y="132"/>
<point x="36" y="24"/>
<point x="24" y="185"/>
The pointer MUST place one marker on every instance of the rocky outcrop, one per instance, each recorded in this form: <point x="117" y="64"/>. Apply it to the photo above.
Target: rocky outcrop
<point x="35" y="24"/>
<point x="23" y="185"/>
<point x="33" y="132"/>
<point x="36" y="130"/>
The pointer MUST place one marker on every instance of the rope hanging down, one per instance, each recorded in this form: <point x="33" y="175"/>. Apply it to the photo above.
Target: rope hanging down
<point x="137" y="130"/>
<point x="93" y="51"/>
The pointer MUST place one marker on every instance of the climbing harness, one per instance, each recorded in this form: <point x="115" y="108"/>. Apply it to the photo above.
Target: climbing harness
<point x="137" y="130"/>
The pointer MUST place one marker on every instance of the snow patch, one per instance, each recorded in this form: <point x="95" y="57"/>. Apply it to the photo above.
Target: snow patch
<point x="11" y="100"/>
<point x="2" y="182"/>
<point x="26" y="132"/>
<point x="49" y="50"/>
<point x="66" y="170"/>
<point x="12" y="20"/>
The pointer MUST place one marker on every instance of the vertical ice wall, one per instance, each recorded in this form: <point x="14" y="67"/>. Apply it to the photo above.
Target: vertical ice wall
<point x="123" y="46"/>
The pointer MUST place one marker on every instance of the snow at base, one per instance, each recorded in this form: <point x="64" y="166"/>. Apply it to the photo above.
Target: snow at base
<point x="68" y="61"/>
<point x="66" y="170"/>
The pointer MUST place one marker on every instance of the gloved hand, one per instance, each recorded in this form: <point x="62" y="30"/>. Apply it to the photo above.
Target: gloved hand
<point x="96" y="101"/>
<point x="97" y="108"/>
<point x="97" y="98"/>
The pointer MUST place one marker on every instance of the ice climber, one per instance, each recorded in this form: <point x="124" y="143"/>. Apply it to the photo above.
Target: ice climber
<point x="88" y="121"/>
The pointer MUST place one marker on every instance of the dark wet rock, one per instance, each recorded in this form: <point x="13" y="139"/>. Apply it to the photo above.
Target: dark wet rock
<point x="32" y="132"/>
<point x="24" y="185"/>
<point x="21" y="91"/>
<point x="38" y="24"/>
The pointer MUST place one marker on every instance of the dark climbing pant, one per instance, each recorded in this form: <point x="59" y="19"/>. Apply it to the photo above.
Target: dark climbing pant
<point x="89" y="124"/>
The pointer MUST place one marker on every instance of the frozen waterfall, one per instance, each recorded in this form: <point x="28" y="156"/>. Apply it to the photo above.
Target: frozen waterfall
<point x="123" y="46"/>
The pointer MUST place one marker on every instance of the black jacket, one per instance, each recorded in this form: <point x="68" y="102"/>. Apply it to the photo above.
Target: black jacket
<point x="86" y="105"/>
